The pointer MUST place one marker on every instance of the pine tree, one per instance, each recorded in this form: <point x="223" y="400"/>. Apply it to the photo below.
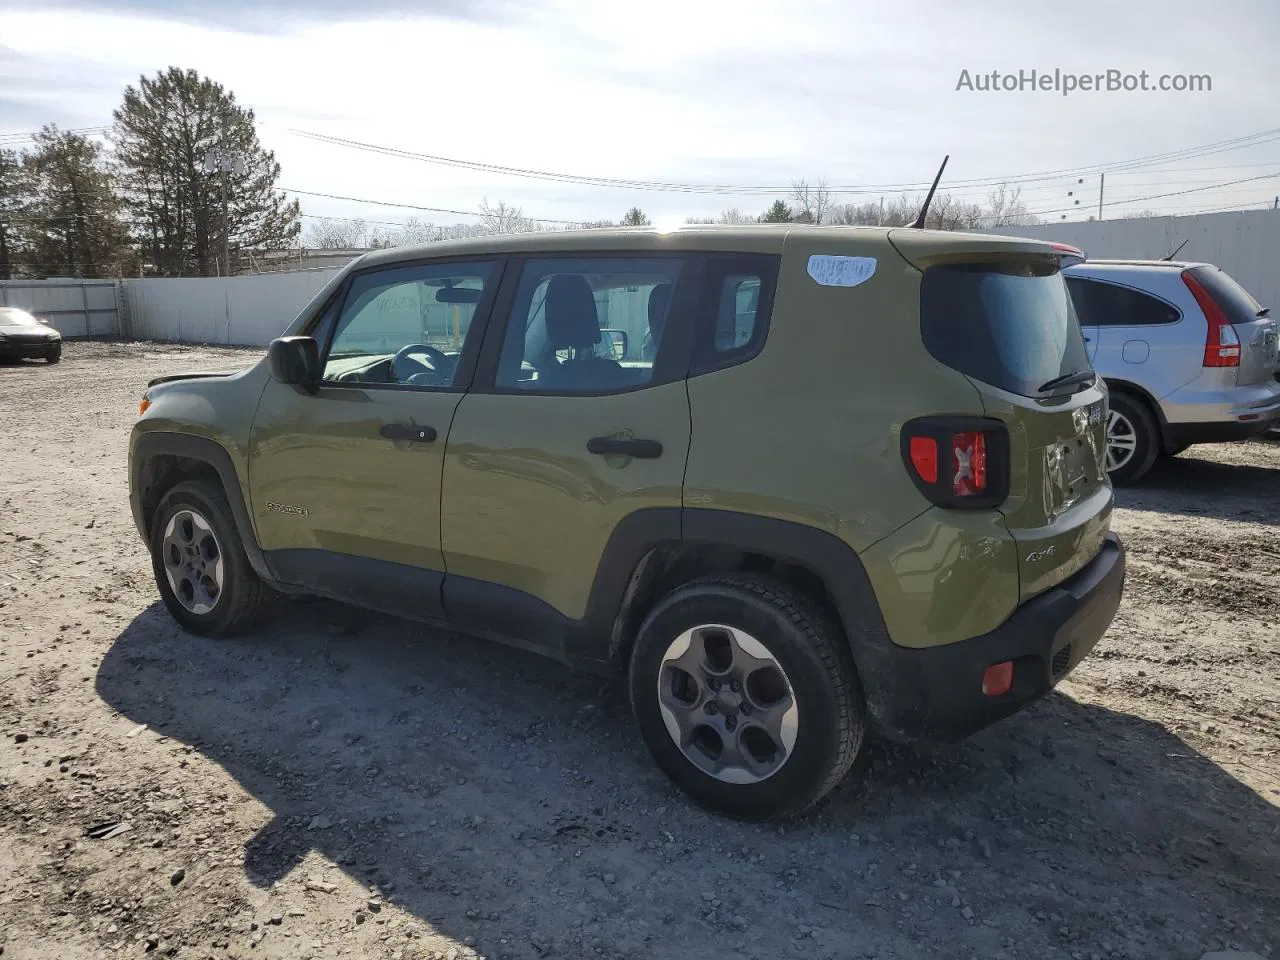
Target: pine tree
<point x="164" y="130"/>
<point x="635" y="217"/>
<point x="72" y="217"/>
<point x="778" y="213"/>
<point x="13" y="201"/>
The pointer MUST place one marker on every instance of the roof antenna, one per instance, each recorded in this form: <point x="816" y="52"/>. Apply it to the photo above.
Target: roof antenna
<point x="1180" y="246"/>
<point x="919" y="221"/>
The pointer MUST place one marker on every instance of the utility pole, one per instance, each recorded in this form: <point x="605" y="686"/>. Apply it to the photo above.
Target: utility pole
<point x="222" y="161"/>
<point x="226" y="220"/>
<point x="1102" y="184"/>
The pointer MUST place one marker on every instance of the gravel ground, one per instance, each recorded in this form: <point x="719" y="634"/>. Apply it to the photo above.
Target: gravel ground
<point x="349" y="785"/>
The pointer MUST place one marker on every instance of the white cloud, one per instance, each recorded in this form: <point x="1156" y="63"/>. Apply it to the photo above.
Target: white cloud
<point x="744" y="92"/>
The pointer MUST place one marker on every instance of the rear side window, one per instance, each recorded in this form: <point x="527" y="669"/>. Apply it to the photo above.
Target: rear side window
<point x="734" y="309"/>
<point x="1233" y="299"/>
<point x="1010" y="325"/>
<point x="1100" y="304"/>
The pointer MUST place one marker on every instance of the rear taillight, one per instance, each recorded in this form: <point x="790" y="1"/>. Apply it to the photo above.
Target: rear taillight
<point x="924" y="458"/>
<point x="1221" y="345"/>
<point x="958" y="461"/>
<point x="969" y="463"/>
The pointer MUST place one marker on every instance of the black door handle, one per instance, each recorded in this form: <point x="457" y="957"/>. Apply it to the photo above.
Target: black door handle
<point x="621" y="447"/>
<point x="412" y="432"/>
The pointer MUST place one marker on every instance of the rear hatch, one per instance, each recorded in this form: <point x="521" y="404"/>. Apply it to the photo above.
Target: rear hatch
<point x="1003" y="318"/>
<point x="1252" y="324"/>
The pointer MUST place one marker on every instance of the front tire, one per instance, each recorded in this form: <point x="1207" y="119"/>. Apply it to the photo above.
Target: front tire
<point x="746" y="696"/>
<point x="54" y="354"/>
<point x="200" y="565"/>
<point x="1132" y="440"/>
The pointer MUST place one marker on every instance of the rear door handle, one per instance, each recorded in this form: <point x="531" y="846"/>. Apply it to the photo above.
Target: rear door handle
<point x="413" y="432"/>
<point x="622" y="447"/>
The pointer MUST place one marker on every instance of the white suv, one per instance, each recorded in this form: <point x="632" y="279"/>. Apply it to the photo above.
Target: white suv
<point x="1189" y="357"/>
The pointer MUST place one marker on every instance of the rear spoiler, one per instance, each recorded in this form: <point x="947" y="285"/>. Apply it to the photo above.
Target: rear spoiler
<point x="926" y="248"/>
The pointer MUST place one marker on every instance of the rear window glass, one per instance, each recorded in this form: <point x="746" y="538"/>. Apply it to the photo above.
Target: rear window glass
<point x="1234" y="299"/>
<point x="1011" y="325"/>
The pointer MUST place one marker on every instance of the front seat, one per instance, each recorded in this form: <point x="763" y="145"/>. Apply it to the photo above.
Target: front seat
<point x="659" y="300"/>
<point x="573" y="324"/>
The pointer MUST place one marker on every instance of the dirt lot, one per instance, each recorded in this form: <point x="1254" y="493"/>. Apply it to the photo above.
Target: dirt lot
<point x="347" y="785"/>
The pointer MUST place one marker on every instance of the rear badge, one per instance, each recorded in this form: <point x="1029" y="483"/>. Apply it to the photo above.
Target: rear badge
<point x="1086" y="417"/>
<point x="1044" y="554"/>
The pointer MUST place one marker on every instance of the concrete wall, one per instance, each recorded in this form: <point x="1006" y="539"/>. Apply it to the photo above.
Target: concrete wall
<point x="246" y="311"/>
<point x="75" y="308"/>
<point x="1244" y="243"/>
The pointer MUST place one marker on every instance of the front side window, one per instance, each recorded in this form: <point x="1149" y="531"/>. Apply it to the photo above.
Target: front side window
<point x="407" y="325"/>
<point x="1100" y="304"/>
<point x="594" y="325"/>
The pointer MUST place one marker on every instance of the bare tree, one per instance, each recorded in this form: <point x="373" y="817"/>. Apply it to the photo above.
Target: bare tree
<point x="503" y="217"/>
<point x="1006" y="209"/>
<point x="328" y="233"/>
<point x="811" y="202"/>
<point x="734" y="215"/>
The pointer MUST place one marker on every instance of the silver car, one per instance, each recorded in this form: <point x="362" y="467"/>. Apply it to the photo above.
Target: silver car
<point x="1189" y="357"/>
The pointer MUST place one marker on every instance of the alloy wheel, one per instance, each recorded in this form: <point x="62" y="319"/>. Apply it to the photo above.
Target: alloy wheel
<point x="727" y="704"/>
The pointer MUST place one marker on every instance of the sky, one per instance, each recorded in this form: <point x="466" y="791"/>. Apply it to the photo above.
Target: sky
<point x="734" y="98"/>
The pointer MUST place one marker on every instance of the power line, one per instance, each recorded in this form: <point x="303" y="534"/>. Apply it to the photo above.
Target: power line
<point x="414" y="206"/>
<point x="8" y="138"/>
<point x="1173" y="193"/>
<point x="1256" y="139"/>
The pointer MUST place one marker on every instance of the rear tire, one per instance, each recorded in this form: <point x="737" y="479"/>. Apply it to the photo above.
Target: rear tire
<point x="1132" y="439"/>
<point x="764" y="734"/>
<point x="200" y="565"/>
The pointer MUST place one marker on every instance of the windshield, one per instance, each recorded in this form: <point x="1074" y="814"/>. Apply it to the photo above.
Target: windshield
<point x="13" y="317"/>
<point x="1009" y="324"/>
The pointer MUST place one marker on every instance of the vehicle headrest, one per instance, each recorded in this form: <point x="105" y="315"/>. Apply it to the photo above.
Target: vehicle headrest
<point x="659" y="300"/>
<point x="571" y="315"/>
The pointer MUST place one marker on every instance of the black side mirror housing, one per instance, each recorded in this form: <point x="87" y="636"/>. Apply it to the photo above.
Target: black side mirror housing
<point x="296" y="361"/>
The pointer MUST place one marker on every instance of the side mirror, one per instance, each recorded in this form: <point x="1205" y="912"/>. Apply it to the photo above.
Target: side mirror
<point x="296" y="361"/>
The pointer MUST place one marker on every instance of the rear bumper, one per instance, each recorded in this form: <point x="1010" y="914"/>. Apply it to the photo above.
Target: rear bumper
<point x="936" y="693"/>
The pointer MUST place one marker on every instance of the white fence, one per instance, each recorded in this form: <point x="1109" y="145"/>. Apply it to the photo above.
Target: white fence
<point x="1244" y="243"/>
<point x="248" y="311"/>
<point x="76" y="308"/>
<point x="251" y="310"/>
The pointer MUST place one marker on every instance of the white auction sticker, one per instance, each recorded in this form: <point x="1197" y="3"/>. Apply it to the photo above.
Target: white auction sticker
<point x="831" y="271"/>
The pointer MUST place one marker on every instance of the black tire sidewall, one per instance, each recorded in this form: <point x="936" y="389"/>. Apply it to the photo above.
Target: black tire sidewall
<point x="212" y="506"/>
<point x="54" y="355"/>
<point x="817" y="745"/>
<point x="1148" y="441"/>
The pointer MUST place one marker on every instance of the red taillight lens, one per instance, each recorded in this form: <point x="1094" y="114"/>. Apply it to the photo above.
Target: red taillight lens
<point x="958" y="462"/>
<point x="1221" y="345"/>
<point x="924" y="457"/>
<point x="969" y="463"/>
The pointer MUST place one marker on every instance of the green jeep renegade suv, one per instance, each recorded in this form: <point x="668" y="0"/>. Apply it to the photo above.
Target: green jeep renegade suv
<point x="794" y="483"/>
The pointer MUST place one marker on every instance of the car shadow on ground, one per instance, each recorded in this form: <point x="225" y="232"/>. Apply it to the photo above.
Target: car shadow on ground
<point x="1209" y="488"/>
<point x="497" y="796"/>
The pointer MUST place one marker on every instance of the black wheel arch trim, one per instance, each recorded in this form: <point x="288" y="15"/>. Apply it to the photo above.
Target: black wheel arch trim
<point x="203" y="450"/>
<point x="832" y="560"/>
